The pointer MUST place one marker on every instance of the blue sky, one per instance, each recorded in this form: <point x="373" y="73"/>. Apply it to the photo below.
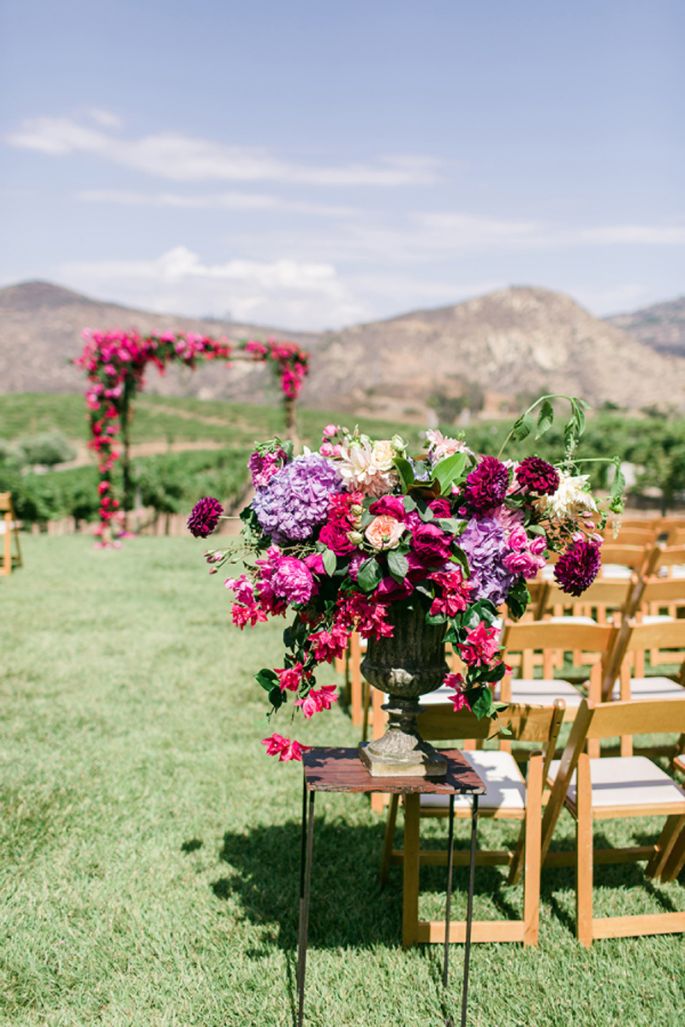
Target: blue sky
<point x="311" y="164"/>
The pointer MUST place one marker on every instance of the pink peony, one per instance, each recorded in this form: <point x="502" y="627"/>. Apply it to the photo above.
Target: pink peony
<point x="292" y="580"/>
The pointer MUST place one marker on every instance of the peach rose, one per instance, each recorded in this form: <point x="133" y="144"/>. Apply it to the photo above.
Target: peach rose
<point x="384" y="532"/>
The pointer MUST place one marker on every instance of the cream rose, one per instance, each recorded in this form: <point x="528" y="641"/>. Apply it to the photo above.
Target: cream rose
<point x="384" y="532"/>
<point x="383" y="455"/>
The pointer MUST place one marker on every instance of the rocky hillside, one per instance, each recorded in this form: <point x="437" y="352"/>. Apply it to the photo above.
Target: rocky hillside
<point x="513" y="341"/>
<point x="662" y="326"/>
<point x="508" y="343"/>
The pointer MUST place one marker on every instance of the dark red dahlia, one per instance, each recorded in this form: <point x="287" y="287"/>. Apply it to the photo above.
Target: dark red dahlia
<point x="536" y="475"/>
<point x="578" y="567"/>
<point x="487" y="485"/>
<point x="205" y="517"/>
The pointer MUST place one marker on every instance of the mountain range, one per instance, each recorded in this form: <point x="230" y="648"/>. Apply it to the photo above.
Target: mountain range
<point x="509" y="343"/>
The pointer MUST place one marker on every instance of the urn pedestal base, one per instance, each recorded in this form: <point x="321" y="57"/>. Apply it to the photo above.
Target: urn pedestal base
<point x="401" y="752"/>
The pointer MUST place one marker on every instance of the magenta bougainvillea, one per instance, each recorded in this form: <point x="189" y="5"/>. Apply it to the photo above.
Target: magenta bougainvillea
<point x="115" y="364"/>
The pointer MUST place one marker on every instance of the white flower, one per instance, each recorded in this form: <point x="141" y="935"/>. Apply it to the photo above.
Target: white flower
<point x="366" y="467"/>
<point x="383" y="455"/>
<point x="572" y="498"/>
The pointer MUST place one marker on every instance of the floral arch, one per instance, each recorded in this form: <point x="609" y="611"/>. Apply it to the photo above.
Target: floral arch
<point x="115" y="365"/>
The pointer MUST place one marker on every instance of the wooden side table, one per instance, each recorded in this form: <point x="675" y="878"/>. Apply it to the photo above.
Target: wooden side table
<point x="341" y="770"/>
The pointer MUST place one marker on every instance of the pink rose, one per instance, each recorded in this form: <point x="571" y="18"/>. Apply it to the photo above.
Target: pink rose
<point x="391" y="506"/>
<point x="440" y="508"/>
<point x="384" y="532"/>
<point x="335" y="537"/>
<point x="431" y="544"/>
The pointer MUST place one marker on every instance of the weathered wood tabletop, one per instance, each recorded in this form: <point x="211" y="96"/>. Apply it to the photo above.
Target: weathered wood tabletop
<point x="341" y="770"/>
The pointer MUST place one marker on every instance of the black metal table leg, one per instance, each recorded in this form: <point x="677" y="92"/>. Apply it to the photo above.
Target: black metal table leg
<point x="448" y="903"/>
<point x="469" y="908"/>
<point x="305" y="889"/>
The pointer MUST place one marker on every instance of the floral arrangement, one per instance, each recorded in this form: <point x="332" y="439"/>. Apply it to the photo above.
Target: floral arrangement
<point x="340" y="535"/>
<point x="115" y="363"/>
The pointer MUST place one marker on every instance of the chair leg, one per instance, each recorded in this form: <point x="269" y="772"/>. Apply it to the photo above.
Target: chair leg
<point x="676" y="862"/>
<point x="517" y="858"/>
<point x="584" y="853"/>
<point x="664" y="847"/>
<point x="389" y="838"/>
<point x="410" y="871"/>
<point x="533" y="826"/>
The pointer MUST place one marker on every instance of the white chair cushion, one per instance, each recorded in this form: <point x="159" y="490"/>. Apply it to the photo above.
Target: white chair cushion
<point x="615" y="570"/>
<point x="626" y="781"/>
<point x="655" y="618"/>
<point x="543" y="691"/>
<point x="439" y="695"/>
<point x="506" y="787"/>
<point x="651" y="688"/>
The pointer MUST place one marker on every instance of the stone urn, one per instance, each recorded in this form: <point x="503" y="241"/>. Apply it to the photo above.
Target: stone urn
<point x="405" y="666"/>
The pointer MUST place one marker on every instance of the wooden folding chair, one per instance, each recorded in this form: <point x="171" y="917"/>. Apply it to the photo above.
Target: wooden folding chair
<point x="631" y="535"/>
<point x="542" y="645"/>
<point x="621" y="561"/>
<point x="666" y="561"/>
<point x="508" y="796"/>
<point x="598" y="604"/>
<point x="9" y="531"/>
<point x="612" y="788"/>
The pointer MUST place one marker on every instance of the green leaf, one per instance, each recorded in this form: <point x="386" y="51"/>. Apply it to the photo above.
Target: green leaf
<point x="267" y="678"/>
<point x="452" y="524"/>
<point x="369" y="575"/>
<point x="578" y="412"/>
<point x="449" y="471"/>
<point x="405" y="471"/>
<point x="521" y="428"/>
<point x="482" y="704"/>
<point x="617" y="489"/>
<point x="330" y="561"/>
<point x="276" y="697"/>
<point x="409" y="503"/>
<point x="518" y="599"/>
<point x="545" y="418"/>
<point x="398" y="565"/>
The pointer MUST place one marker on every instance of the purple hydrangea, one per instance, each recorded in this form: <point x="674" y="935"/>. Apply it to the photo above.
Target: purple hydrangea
<point x="204" y="517"/>
<point x="295" y="500"/>
<point x="578" y="567"/>
<point x="484" y="542"/>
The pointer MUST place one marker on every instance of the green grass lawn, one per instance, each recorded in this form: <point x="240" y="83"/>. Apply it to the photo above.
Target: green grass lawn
<point x="149" y="850"/>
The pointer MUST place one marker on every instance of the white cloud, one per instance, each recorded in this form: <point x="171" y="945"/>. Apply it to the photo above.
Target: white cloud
<point x="184" y="158"/>
<point x="285" y="293"/>
<point x="633" y="235"/>
<point x="213" y="201"/>
<point x="108" y="119"/>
